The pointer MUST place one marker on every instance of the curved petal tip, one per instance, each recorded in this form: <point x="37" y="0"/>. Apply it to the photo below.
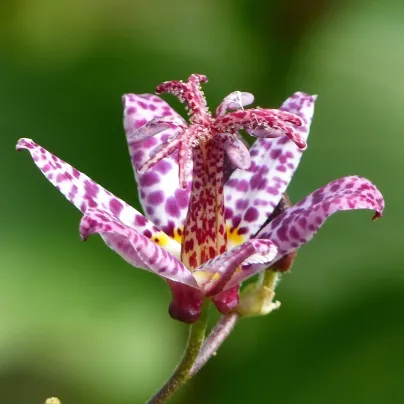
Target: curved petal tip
<point x="24" y="144"/>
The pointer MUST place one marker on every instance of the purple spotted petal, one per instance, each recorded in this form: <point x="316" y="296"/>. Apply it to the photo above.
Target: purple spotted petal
<point x="251" y="195"/>
<point x="162" y="199"/>
<point x="129" y="243"/>
<point x="214" y="275"/>
<point x="235" y="100"/>
<point x="298" y="224"/>
<point x="84" y="193"/>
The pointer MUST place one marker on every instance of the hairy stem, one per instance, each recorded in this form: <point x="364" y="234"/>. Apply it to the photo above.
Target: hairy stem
<point x="268" y="279"/>
<point x="182" y="372"/>
<point x="217" y="336"/>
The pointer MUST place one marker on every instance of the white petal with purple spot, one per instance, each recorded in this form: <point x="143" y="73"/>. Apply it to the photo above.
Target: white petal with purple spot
<point x="134" y="247"/>
<point x="251" y="195"/>
<point x="164" y="202"/>
<point x="298" y="224"/>
<point x="84" y="193"/>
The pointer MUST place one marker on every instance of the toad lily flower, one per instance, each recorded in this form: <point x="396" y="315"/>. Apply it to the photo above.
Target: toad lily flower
<point x="208" y="200"/>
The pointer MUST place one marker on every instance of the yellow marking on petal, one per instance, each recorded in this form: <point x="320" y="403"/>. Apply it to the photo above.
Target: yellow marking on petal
<point x="161" y="239"/>
<point x="205" y="277"/>
<point x="233" y="238"/>
<point x="169" y="244"/>
<point x="178" y="232"/>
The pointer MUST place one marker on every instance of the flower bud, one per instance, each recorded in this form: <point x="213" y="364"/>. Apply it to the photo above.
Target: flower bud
<point x="257" y="300"/>
<point x="53" y="400"/>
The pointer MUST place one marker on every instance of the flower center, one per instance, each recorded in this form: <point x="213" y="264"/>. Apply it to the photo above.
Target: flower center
<point x="204" y="229"/>
<point x="202" y="145"/>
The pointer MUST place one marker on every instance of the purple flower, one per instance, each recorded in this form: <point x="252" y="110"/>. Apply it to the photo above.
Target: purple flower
<point x="206" y="197"/>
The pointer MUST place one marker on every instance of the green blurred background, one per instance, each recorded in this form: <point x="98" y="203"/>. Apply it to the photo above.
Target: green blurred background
<point x="76" y="321"/>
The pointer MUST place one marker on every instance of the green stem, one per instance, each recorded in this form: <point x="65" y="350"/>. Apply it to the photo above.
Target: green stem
<point x="182" y="373"/>
<point x="268" y="278"/>
<point x="215" y="339"/>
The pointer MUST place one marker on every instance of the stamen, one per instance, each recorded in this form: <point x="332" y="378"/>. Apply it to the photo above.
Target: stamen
<point x="185" y="141"/>
<point x="236" y="151"/>
<point x="160" y="152"/>
<point x="150" y="129"/>
<point x="235" y="100"/>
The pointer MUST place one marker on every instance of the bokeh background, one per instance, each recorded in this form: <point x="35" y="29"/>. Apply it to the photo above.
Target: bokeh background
<point x="76" y="321"/>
